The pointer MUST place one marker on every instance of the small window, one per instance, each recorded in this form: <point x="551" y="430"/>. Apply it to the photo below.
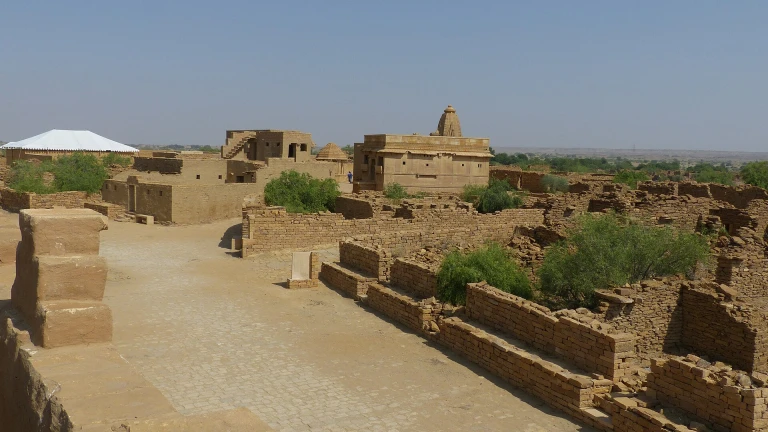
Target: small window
<point x="219" y="176"/>
<point x="427" y="164"/>
<point x="462" y="164"/>
<point x="479" y="165"/>
<point x="365" y="159"/>
<point x="278" y="144"/>
<point x="267" y="144"/>
<point x="403" y="162"/>
<point x="198" y="177"/>
<point x="303" y="147"/>
<point x="161" y="193"/>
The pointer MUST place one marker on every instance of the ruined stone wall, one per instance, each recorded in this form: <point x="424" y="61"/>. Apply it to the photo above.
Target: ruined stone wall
<point x="589" y="345"/>
<point x="271" y="229"/>
<point x="354" y="208"/>
<point x="721" y="329"/>
<point x="652" y="310"/>
<point x="700" y="190"/>
<point x="709" y="395"/>
<point x="26" y="402"/>
<point x="15" y="201"/>
<point x="415" y="277"/>
<point x="371" y="260"/>
<point x="402" y="308"/>
<point x="555" y="386"/>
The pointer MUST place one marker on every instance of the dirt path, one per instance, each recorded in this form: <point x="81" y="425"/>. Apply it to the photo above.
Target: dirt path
<point x="214" y="332"/>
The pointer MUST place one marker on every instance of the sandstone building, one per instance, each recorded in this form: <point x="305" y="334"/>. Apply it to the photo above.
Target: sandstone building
<point x="444" y="161"/>
<point x="267" y="143"/>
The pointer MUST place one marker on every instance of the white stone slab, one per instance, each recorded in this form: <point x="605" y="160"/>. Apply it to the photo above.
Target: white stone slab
<point x="300" y="268"/>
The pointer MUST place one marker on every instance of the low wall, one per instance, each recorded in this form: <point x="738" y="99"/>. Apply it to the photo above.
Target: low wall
<point x="415" y="277"/>
<point x="350" y="284"/>
<point x="734" y="333"/>
<point x="163" y="165"/>
<point x="401" y="308"/>
<point x="554" y="385"/>
<point x="26" y="403"/>
<point x="589" y="347"/>
<point x="109" y="210"/>
<point x="652" y="310"/>
<point x="698" y="391"/>
<point x="369" y="260"/>
<point x="273" y="229"/>
<point x="15" y="201"/>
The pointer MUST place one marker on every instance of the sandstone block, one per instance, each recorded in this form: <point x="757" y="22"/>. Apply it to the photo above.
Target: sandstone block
<point x="60" y="232"/>
<point x="61" y="323"/>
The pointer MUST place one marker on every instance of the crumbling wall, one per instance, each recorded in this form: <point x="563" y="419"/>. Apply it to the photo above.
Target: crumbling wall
<point x="580" y="339"/>
<point x="26" y="403"/>
<point x="354" y="208"/>
<point x="274" y="228"/>
<point x="652" y="310"/>
<point x="716" y="326"/>
<point x="15" y="201"/>
<point x="370" y="260"/>
<point x="418" y="278"/>
<point x="416" y="315"/>
<point x="708" y="394"/>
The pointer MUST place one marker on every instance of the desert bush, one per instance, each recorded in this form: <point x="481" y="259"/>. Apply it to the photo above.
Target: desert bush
<point x="491" y="198"/>
<point x="630" y="178"/>
<point x="491" y="263"/>
<point x="604" y="251"/>
<point x="116" y="159"/>
<point x="395" y="191"/>
<point x="756" y="174"/>
<point x="553" y="183"/>
<point x="27" y="176"/>
<point x="301" y="193"/>
<point x="78" y="172"/>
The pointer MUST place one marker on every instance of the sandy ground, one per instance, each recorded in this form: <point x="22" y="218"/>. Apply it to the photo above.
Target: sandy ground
<point x="213" y="332"/>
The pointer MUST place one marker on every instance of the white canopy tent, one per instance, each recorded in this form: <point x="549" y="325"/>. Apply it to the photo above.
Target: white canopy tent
<point x="69" y="141"/>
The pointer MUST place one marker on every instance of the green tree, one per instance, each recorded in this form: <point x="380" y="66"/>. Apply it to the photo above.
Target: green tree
<point x="395" y="191"/>
<point x="491" y="198"/>
<point x="756" y="174"/>
<point x="491" y="263"/>
<point x="27" y="176"/>
<point x="79" y="172"/>
<point x="630" y="178"/>
<point x="604" y="251"/>
<point x="116" y="159"/>
<point x="553" y="183"/>
<point x="301" y="193"/>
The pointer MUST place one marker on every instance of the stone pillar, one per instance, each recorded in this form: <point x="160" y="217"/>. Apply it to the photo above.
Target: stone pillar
<point x="60" y="277"/>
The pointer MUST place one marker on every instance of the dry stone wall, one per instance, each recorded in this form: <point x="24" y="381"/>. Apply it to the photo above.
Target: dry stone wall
<point x="416" y="277"/>
<point x="588" y="345"/>
<point x="709" y="395"/>
<point x="373" y="261"/>
<point x="724" y="330"/>
<point x="15" y="201"/>
<point x="274" y="228"/>
<point x="416" y="315"/>
<point x="652" y="310"/>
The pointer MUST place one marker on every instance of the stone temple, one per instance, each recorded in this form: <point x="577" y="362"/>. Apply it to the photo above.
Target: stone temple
<point x="444" y="161"/>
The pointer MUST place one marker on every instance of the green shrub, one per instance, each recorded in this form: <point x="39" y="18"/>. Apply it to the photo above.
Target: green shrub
<point x="756" y="174"/>
<point x="604" y="251"/>
<point x="553" y="183"/>
<point x="491" y="264"/>
<point x="713" y="176"/>
<point x="491" y="198"/>
<point x="79" y="172"/>
<point x="630" y="178"/>
<point x="395" y="191"/>
<point x="26" y="176"/>
<point x="301" y="193"/>
<point x="116" y="159"/>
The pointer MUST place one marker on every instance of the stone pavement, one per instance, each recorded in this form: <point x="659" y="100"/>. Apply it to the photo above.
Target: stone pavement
<point x="213" y="332"/>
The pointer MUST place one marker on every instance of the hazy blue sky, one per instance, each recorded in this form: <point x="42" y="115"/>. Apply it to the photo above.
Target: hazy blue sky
<point x="652" y="74"/>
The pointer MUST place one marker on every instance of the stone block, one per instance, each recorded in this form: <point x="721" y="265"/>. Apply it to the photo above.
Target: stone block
<point x="60" y="232"/>
<point x="62" y="323"/>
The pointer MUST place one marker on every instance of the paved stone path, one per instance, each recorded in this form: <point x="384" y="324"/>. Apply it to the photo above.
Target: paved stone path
<point x="214" y="332"/>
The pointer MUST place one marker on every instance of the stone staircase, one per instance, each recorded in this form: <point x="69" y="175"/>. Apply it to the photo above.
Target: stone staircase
<point x="230" y="151"/>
